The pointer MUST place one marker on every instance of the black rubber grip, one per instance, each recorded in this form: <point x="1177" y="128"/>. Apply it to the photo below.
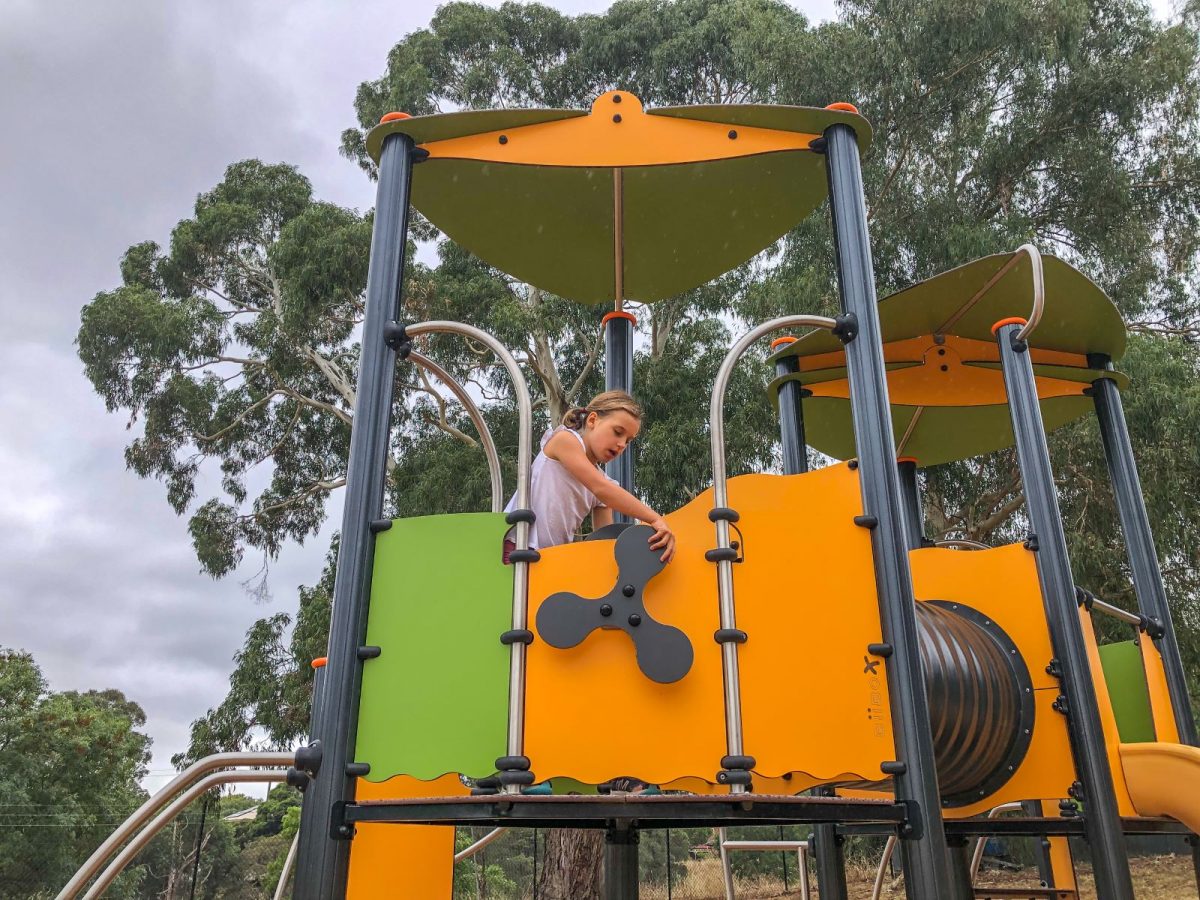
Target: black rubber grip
<point x="517" y="636"/>
<point x="893" y="767"/>
<point x="526" y="556"/>
<point x="520" y="515"/>
<point x="718" y="513"/>
<point x="734" y="776"/>
<point x="358" y="770"/>
<point x="379" y="525"/>
<point x="520" y="763"/>
<point x="729" y="636"/>
<point x="516" y="778"/>
<point x="369" y="652"/>
<point x="738" y="762"/>
<point x="721" y="554"/>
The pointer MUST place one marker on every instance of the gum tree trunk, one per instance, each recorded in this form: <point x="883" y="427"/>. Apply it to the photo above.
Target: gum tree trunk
<point x="571" y="870"/>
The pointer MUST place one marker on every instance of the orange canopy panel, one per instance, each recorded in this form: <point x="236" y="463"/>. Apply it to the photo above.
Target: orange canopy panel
<point x="592" y="715"/>
<point x="620" y="200"/>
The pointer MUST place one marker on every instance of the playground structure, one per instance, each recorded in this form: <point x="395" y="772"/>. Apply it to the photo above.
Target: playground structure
<point x="896" y="687"/>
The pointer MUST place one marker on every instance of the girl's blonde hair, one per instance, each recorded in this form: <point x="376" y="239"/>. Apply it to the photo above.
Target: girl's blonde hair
<point x="602" y="405"/>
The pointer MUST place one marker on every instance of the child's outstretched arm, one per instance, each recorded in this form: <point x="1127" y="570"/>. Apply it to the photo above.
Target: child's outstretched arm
<point x="567" y="450"/>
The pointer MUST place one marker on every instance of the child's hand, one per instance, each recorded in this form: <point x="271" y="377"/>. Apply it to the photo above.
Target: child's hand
<point x="662" y="539"/>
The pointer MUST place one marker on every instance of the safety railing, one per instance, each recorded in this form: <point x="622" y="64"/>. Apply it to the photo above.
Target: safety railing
<point x="151" y="817"/>
<point x="721" y="517"/>
<point x="800" y="847"/>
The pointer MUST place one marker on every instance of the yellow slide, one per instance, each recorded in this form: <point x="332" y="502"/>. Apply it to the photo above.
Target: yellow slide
<point x="1164" y="780"/>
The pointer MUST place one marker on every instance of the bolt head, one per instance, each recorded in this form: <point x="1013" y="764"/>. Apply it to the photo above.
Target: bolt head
<point x="629" y="590"/>
<point x="606" y="609"/>
<point x="635" y="620"/>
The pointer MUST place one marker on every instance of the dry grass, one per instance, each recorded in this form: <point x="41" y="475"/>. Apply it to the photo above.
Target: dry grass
<point x="1154" y="878"/>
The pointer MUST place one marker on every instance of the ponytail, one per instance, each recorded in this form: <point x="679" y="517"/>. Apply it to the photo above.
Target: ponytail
<point x="602" y="404"/>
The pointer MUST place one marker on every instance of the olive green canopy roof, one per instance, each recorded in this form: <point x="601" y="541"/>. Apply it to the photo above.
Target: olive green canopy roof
<point x="664" y="199"/>
<point x="944" y="381"/>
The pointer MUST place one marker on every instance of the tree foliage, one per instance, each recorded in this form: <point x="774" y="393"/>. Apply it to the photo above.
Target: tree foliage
<point x="1069" y="123"/>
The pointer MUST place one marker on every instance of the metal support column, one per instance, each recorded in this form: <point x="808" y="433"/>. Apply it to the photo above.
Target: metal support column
<point x="829" y="857"/>
<point x="618" y="376"/>
<point x="324" y="855"/>
<point x="923" y="848"/>
<point x="914" y="511"/>
<point x="1139" y="541"/>
<point x="1102" y="822"/>
<point x="791" y="413"/>
<point x="621" y="862"/>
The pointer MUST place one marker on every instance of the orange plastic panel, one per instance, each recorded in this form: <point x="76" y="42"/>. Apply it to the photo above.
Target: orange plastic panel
<point x="414" y="862"/>
<point x="914" y="349"/>
<point x="1108" y="720"/>
<point x="1163" y="714"/>
<point x="590" y="714"/>
<point x="618" y="133"/>
<point x="811" y="699"/>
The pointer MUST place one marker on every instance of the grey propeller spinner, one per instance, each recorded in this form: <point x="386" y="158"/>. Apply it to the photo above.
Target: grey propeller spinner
<point x="664" y="653"/>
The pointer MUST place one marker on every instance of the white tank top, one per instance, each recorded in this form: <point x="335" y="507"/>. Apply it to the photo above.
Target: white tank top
<point x="556" y="497"/>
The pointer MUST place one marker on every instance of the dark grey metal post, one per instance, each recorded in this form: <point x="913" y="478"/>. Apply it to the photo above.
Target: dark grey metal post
<point x="914" y="511"/>
<point x="618" y="376"/>
<point x="828" y="857"/>
<point x="322" y="858"/>
<point x="791" y="417"/>
<point x="621" y="862"/>
<point x="1139" y="541"/>
<point x="1102" y="822"/>
<point x="923" y="845"/>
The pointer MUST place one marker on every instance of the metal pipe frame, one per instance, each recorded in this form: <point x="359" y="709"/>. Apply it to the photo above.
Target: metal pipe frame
<point x="791" y="418"/>
<point x="485" y="436"/>
<point x="324" y="857"/>
<point x="468" y="852"/>
<point x="134" y="847"/>
<point x="288" y="863"/>
<point x="924" y="850"/>
<point x="962" y="544"/>
<point x="1039" y="290"/>
<point x="981" y="842"/>
<point x="520" y="617"/>
<point x="1139" y="543"/>
<point x="801" y="848"/>
<point x="716" y="418"/>
<point x="143" y="813"/>
<point x="1102" y="822"/>
<point x="618" y="376"/>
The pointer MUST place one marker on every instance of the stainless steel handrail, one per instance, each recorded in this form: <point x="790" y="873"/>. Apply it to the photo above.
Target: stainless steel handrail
<point x="888" y="849"/>
<point x="143" y="837"/>
<point x="716" y="417"/>
<point x="468" y="852"/>
<point x="520" y="616"/>
<point x="980" y="843"/>
<point x="801" y="848"/>
<point x="281" y="888"/>
<point x="485" y="436"/>
<point x="143" y="813"/>
<point x="1039" y="292"/>
<point x="962" y="544"/>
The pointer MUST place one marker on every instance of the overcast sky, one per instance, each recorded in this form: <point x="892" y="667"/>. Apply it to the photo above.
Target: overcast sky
<point x="115" y="116"/>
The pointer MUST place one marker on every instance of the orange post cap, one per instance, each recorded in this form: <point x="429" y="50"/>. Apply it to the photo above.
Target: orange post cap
<point x="1011" y="320"/>
<point x="617" y="314"/>
<point x="319" y="662"/>
<point x="782" y="341"/>
<point x="843" y="107"/>
<point x="393" y="117"/>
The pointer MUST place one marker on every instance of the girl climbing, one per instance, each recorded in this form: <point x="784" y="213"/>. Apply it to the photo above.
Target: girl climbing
<point x="568" y="480"/>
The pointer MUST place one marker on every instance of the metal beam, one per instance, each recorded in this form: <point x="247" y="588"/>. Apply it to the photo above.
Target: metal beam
<point x="1102" y="823"/>
<point x="324" y="857"/>
<point x="923" y="848"/>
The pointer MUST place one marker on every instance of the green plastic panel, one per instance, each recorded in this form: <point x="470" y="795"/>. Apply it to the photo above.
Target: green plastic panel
<point x="436" y="699"/>
<point x="1126" y="680"/>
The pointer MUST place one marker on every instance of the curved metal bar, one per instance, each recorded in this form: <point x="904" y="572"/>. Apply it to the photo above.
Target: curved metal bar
<point x="977" y="856"/>
<point x="888" y="849"/>
<point x="520" y="616"/>
<point x="126" y="856"/>
<point x="962" y="544"/>
<point x="485" y="436"/>
<point x="716" y="417"/>
<point x="1039" y="290"/>
<point x="281" y="888"/>
<point x="143" y="813"/>
<point x="468" y="852"/>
